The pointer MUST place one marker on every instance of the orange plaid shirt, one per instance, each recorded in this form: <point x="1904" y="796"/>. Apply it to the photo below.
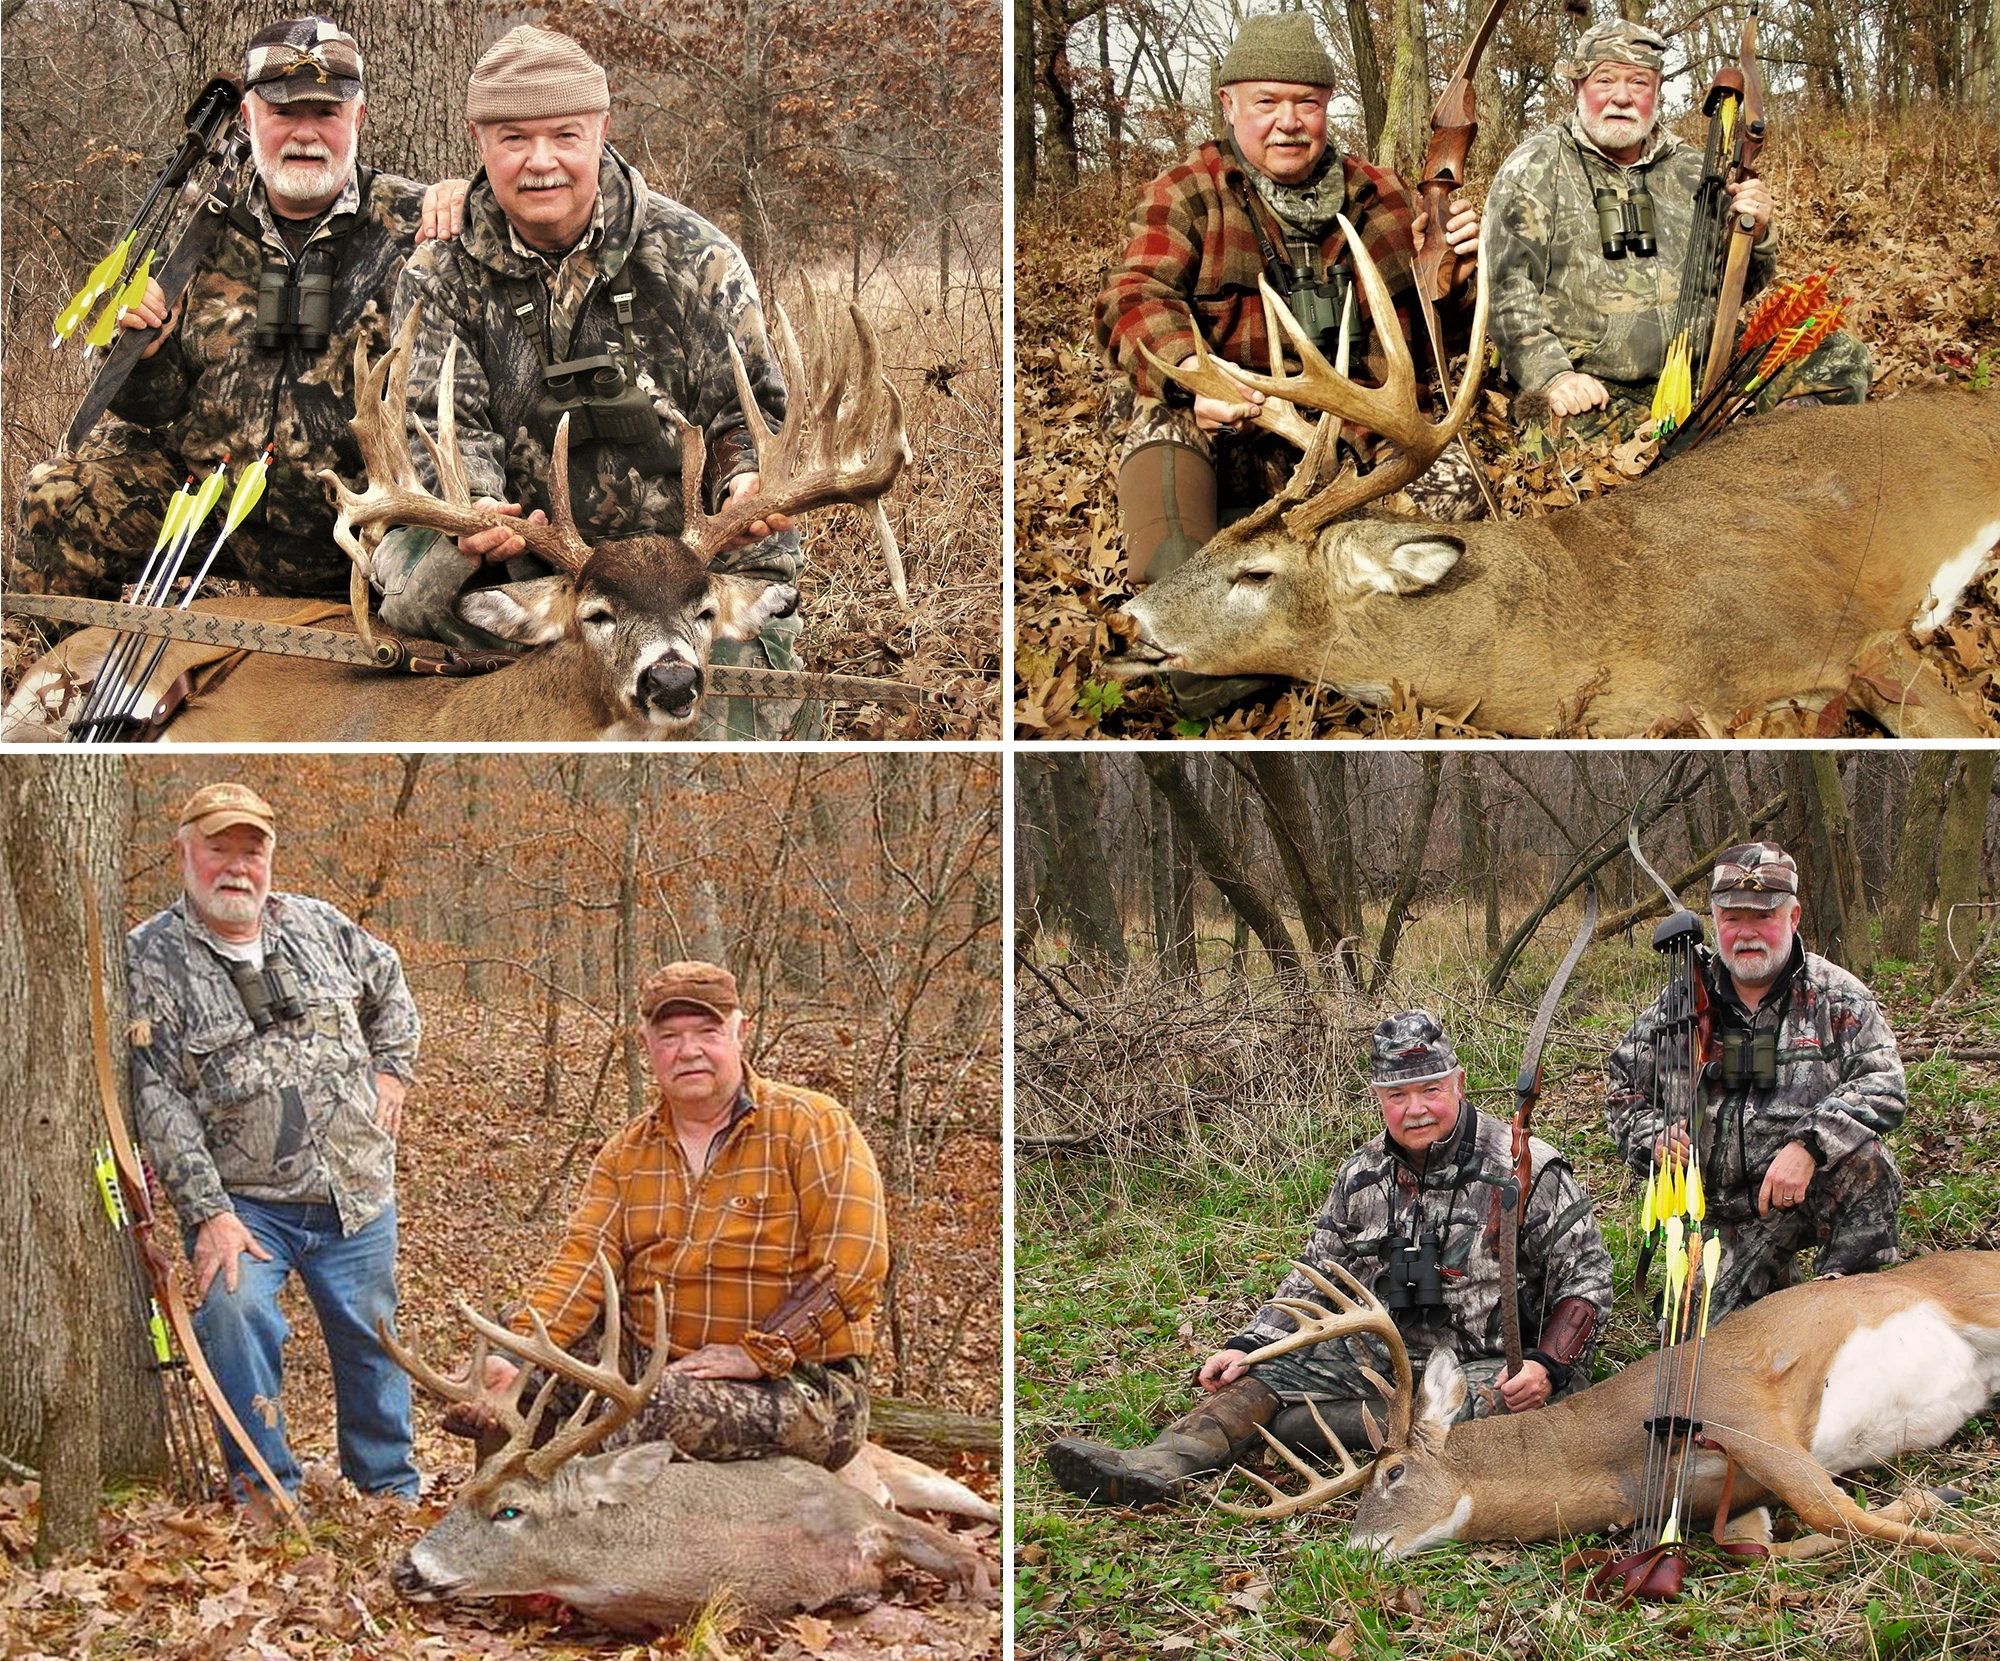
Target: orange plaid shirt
<point x="791" y="1185"/>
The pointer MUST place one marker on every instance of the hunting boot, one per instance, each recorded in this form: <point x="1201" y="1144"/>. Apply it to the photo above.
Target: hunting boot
<point x="1166" y="502"/>
<point x="1299" y="1431"/>
<point x="1196" y="1445"/>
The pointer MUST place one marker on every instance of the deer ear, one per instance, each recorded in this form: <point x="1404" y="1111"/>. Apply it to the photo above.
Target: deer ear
<point x="1386" y="557"/>
<point x="1443" y="1396"/>
<point x="622" y="1478"/>
<point x="743" y="605"/>
<point x="528" y="613"/>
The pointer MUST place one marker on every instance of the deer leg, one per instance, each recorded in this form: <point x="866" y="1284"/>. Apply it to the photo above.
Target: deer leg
<point x="1907" y="695"/>
<point x="1801" y="1482"/>
<point x="1915" y="1505"/>
<point x="907" y="1540"/>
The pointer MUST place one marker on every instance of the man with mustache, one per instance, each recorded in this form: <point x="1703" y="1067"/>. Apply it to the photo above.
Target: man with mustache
<point x="756" y="1208"/>
<point x="1265" y="200"/>
<point x="577" y="289"/>
<point x="1583" y="323"/>
<point x="1413" y="1215"/>
<point x="272" y="1043"/>
<point x="1792" y="1113"/>
<point x="259" y="351"/>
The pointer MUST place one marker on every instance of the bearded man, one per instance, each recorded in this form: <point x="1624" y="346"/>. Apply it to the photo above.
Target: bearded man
<point x="1264" y="201"/>
<point x="1583" y="322"/>
<point x="260" y="349"/>
<point x="1791" y="1117"/>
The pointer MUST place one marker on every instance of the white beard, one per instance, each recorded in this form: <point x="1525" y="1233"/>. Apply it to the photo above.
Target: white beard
<point x="289" y="181"/>
<point x="1610" y="132"/>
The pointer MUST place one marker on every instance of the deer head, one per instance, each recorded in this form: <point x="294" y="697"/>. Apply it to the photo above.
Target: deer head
<point x="1269" y="591"/>
<point x="638" y="614"/>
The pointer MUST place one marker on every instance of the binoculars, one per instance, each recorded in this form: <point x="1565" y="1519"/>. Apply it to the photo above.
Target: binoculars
<point x="1319" y="307"/>
<point x="294" y="306"/>
<point x="1410" y="1278"/>
<point x="271" y="994"/>
<point x="1625" y="225"/>
<point x="1749" y="1058"/>
<point x="601" y="402"/>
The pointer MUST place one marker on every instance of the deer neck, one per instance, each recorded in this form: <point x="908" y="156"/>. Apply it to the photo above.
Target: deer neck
<point x="555" y="692"/>
<point x="1561" y="1469"/>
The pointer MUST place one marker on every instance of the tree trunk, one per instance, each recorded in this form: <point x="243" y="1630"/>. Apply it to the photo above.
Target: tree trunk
<point x="1024" y="102"/>
<point x="1959" y="861"/>
<point x="1096" y="928"/>
<point x="932" y="1434"/>
<point x="76" y="1401"/>
<point x="1844" y="864"/>
<point x="1912" y="876"/>
<point x="1367" y="73"/>
<point x="1411" y="873"/>
<point x="1054" y="75"/>
<point x="1289" y="821"/>
<point x="628" y="937"/>
<point x="1034" y="881"/>
<point x="1346" y="875"/>
<point x="1220" y="863"/>
<point x="1406" y="122"/>
<point x="1475" y="852"/>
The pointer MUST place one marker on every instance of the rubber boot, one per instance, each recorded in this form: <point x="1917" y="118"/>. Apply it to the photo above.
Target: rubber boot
<point x="1166" y="502"/>
<point x="1295" y="1427"/>
<point x="1196" y="1445"/>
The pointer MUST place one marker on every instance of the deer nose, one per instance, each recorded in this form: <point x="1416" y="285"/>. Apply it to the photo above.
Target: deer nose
<point x="671" y="684"/>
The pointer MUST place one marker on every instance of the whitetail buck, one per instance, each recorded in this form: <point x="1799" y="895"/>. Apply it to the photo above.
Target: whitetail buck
<point x="623" y="629"/>
<point x="1820" y="1378"/>
<point x="643" y="1538"/>
<point x="1780" y="562"/>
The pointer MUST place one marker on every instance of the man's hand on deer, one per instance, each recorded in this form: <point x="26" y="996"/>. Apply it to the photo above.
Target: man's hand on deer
<point x="474" y="1418"/>
<point x="718" y="1361"/>
<point x="497" y="544"/>
<point x="748" y="484"/>
<point x="218" y="1243"/>
<point x="1786" y="1182"/>
<point x="1214" y="415"/>
<point x="1527" y="1389"/>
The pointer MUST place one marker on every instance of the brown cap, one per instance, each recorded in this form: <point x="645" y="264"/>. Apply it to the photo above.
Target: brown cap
<point x="1753" y="876"/>
<point x="693" y="985"/>
<point x="215" y="807"/>
<point x="1277" y="46"/>
<point x="529" y="73"/>
<point x="303" y="58"/>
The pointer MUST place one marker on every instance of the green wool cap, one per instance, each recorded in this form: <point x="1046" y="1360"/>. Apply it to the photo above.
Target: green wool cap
<point x="1278" y="46"/>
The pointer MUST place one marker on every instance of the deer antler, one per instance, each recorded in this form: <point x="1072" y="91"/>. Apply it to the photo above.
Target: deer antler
<point x="842" y="441"/>
<point x="1356" y="1310"/>
<point x="1319" y="493"/>
<point x="395" y="497"/>
<point x="579" y="1433"/>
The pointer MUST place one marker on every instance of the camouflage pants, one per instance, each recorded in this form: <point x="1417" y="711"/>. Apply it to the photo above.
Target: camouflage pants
<point x="1838" y="368"/>
<point x="1848" y="1218"/>
<point x="816" y="1413"/>
<point x="88" y="522"/>
<point x="1252" y="467"/>
<point x="1330" y="1378"/>
<point x="734" y="720"/>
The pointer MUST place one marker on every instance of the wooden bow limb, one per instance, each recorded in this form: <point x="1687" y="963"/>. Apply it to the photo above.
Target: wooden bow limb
<point x="139" y="1200"/>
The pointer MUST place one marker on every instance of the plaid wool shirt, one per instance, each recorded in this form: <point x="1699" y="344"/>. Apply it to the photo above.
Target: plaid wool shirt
<point x="791" y="1185"/>
<point x="1193" y="258"/>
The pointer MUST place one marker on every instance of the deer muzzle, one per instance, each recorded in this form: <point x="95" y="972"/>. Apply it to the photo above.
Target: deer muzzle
<point x="669" y="687"/>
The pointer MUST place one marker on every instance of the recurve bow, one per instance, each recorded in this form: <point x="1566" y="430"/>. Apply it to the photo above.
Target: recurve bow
<point x="139" y="1202"/>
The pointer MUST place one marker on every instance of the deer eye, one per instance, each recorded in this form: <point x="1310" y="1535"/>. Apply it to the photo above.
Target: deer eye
<point x="595" y="614"/>
<point x="1393" y="1474"/>
<point x="706" y="614"/>
<point x="1256" y="576"/>
<point x="507" y="1513"/>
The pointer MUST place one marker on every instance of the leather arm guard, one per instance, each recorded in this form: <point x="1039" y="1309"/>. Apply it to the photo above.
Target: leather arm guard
<point x="1565" y="1335"/>
<point x="772" y="1345"/>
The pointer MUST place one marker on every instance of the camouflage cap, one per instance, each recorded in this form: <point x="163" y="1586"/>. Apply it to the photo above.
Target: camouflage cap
<point x="1278" y="46"/>
<point x="215" y="807"/>
<point x="1753" y="876"/>
<point x="1410" y="1048"/>
<point x="689" y="985"/>
<point x="303" y="58"/>
<point x="1616" y="41"/>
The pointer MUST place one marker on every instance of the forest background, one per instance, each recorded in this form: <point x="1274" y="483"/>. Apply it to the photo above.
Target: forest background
<point x="856" y="899"/>
<point x="1883" y="155"/>
<point x="856" y="146"/>
<point x="1202" y="945"/>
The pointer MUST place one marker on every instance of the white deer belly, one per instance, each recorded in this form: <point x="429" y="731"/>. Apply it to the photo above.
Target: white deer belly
<point x="1953" y="577"/>
<point x="1909" y="1383"/>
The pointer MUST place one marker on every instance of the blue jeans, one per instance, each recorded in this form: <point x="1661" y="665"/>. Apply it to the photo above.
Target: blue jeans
<point x="351" y="1281"/>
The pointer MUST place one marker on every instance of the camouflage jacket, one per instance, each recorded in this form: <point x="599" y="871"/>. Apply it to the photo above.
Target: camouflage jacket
<point x="691" y="294"/>
<point x="285" y="1114"/>
<point x="1193" y="260"/>
<point x="212" y="391"/>
<point x="1558" y="303"/>
<point x="1840" y="1081"/>
<point x="1561" y="1254"/>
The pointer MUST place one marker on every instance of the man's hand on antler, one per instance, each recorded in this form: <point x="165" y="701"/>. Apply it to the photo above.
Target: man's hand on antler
<point x="499" y="544"/>
<point x="1212" y="415"/>
<point x="472" y="1419"/>
<point x="748" y="484"/>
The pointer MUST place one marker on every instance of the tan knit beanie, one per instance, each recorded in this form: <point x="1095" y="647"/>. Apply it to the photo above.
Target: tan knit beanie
<point x="1278" y="46"/>
<point x="532" y="72"/>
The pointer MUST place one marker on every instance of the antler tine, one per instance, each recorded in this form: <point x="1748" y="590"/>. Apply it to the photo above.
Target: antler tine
<point x="559" y="542"/>
<point x="838" y="443"/>
<point x="466" y="1387"/>
<point x="1319" y="1488"/>
<point x="1357" y="1311"/>
<point x="446" y="458"/>
<point x="1218" y="378"/>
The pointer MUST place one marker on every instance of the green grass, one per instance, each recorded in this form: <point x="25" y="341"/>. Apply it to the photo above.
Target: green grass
<point x="1130" y="1268"/>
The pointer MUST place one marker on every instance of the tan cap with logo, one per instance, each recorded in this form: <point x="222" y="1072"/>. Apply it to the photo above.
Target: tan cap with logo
<point x="215" y="807"/>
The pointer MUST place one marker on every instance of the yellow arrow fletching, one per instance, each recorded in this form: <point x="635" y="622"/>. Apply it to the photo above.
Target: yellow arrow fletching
<point x="108" y="271"/>
<point x="101" y="331"/>
<point x="1670" y="1535"/>
<point x="135" y="291"/>
<point x="1648" y="1212"/>
<point x="203" y="502"/>
<point x="1697" y="1201"/>
<point x="249" y="491"/>
<point x="175" y="517"/>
